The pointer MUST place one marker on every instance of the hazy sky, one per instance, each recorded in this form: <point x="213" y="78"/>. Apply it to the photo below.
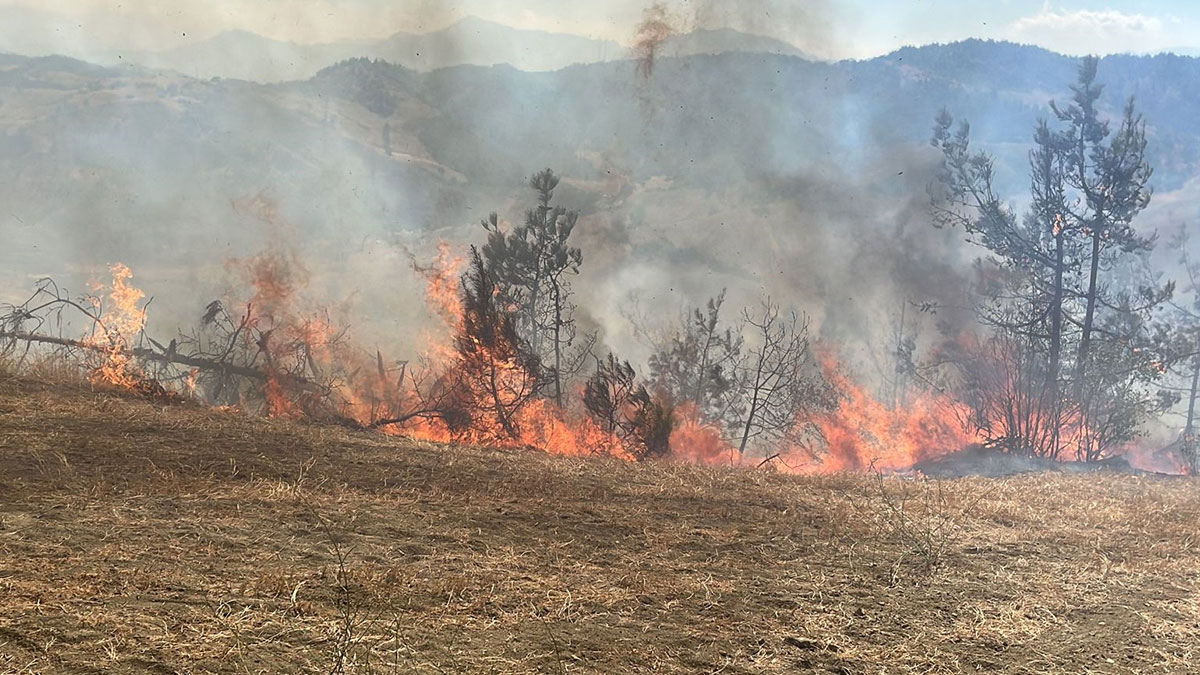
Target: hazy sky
<point x="832" y="29"/>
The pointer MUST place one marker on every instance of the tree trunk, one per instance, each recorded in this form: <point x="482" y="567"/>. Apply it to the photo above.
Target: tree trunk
<point x="1055" y="364"/>
<point x="897" y="386"/>
<point x="1085" y="338"/>
<point x="535" y="333"/>
<point x="699" y="394"/>
<point x="502" y="412"/>
<point x="754" y="403"/>
<point x="557" y="344"/>
<point x="1189" y="430"/>
<point x="539" y="262"/>
<point x="143" y="353"/>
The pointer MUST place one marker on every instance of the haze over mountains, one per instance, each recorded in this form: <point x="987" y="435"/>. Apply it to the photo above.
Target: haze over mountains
<point x="246" y="56"/>
<point x="749" y="169"/>
<point x="471" y="41"/>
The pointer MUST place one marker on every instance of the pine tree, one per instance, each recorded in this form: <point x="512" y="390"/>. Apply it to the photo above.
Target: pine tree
<point x="531" y="264"/>
<point x="496" y="367"/>
<point x="1074" y="267"/>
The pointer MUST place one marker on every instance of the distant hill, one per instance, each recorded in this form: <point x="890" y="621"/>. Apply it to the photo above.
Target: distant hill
<point x="471" y="41"/>
<point x="725" y="40"/>
<point x="245" y="56"/>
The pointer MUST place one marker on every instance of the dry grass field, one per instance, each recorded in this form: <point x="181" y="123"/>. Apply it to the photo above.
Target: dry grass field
<point x="142" y="537"/>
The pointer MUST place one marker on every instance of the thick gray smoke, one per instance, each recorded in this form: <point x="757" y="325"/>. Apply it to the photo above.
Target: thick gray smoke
<point x="733" y="162"/>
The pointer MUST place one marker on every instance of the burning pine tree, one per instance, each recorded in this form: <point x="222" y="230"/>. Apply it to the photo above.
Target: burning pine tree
<point x="496" y="373"/>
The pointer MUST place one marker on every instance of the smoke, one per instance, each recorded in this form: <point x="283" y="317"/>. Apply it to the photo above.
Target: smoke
<point x="760" y="173"/>
<point x="806" y="25"/>
<point x="847" y="251"/>
<point x="833" y="224"/>
<point x="656" y="26"/>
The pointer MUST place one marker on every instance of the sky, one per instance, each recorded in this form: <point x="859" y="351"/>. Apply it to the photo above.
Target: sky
<point x="826" y="28"/>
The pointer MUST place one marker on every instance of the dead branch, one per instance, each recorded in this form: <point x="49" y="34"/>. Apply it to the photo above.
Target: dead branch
<point x="146" y="354"/>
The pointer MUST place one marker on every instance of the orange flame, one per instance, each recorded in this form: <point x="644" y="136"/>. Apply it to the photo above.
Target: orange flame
<point x="860" y="433"/>
<point x="696" y="442"/>
<point x="863" y="433"/>
<point x="121" y="321"/>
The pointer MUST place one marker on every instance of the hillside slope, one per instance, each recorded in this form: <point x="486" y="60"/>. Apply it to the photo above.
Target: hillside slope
<point x="137" y="536"/>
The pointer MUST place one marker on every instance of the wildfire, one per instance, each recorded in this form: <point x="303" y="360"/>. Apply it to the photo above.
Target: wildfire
<point x="1157" y="460"/>
<point x="697" y="442"/>
<point x="860" y="433"/>
<point x="443" y="299"/>
<point x="441" y="278"/>
<point x="863" y="433"/>
<point x="543" y="426"/>
<point x="121" y="320"/>
<point x="306" y="362"/>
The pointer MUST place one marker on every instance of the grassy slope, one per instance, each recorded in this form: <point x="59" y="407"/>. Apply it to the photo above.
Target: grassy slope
<point x="141" y="537"/>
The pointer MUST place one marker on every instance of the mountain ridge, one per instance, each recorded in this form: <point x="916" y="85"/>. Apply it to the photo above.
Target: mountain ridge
<point x="240" y="54"/>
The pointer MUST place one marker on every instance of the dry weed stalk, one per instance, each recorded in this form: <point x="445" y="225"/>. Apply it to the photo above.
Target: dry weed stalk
<point x="916" y="513"/>
<point x="363" y="630"/>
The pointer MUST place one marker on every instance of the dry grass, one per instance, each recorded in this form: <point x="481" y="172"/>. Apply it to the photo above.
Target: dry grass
<point x="141" y="537"/>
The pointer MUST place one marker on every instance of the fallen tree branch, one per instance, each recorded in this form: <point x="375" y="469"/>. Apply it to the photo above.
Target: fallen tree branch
<point x="146" y="354"/>
<point x="766" y="460"/>
<point x="401" y="419"/>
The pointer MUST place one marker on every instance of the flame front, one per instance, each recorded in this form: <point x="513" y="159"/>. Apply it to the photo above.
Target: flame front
<point x="307" y="363"/>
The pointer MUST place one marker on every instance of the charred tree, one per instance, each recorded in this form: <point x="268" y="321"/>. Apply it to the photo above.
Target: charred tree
<point x="699" y="365"/>
<point x="1184" y="366"/>
<point x="777" y="377"/>
<point x="495" y="364"/>
<point x="608" y="395"/>
<point x="1076" y="286"/>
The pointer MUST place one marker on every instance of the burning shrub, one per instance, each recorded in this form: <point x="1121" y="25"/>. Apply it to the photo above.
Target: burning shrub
<point x="1008" y="398"/>
<point x="653" y="423"/>
<point x="698" y="364"/>
<point x="123" y="321"/>
<point x="496" y="373"/>
<point x="108" y="352"/>
<point x="626" y="411"/>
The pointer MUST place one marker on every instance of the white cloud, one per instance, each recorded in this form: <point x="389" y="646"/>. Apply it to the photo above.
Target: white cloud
<point x="1108" y="21"/>
<point x="1095" y="31"/>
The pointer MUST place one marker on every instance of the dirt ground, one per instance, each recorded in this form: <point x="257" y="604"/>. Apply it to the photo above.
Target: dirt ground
<point x="137" y="536"/>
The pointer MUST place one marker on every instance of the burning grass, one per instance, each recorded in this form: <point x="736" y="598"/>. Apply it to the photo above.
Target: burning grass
<point x="140" y="536"/>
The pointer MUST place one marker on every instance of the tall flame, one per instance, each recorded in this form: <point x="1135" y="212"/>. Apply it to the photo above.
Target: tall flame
<point x="120" y="322"/>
